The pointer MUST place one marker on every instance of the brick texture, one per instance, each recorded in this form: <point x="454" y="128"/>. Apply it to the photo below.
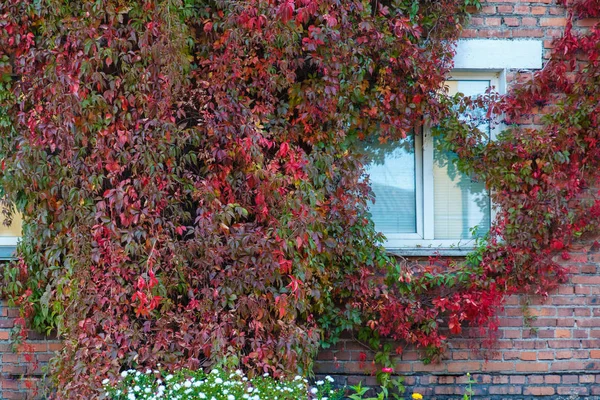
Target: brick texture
<point x="553" y="353"/>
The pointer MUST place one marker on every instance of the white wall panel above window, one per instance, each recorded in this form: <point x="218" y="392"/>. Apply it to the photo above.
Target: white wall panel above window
<point x="496" y="54"/>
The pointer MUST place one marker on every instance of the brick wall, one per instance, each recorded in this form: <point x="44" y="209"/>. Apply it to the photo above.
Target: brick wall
<point x="553" y="350"/>
<point x="21" y="378"/>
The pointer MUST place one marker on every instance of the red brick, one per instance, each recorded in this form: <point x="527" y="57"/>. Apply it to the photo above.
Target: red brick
<point x="572" y="390"/>
<point x="570" y="379"/>
<point x="529" y="21"/>
<point x="586" y="378"/>
<point x="586" y="280"/>
<point x="531" y="367"/>
<point x="11" y="369"/>
<point x="539" y="390"/>
<point x="567" y="366"/>
<point x="448" y="390"/>
<point x="14" y="395"/>
<point x="528" y="356"/>
<point x="535" y="379"/>
<point x="552" y="379"/>
<point x="587" y="22"/>
<point x="523" y="9"/>
<point x="505" y="9"/>
<point x="498" y="366"/>
<point x="438" y="367"/>
<point x="528" y="33"/>
<point x="493" y="22"/>
<point x="588" y="322"/>
<point x="464" y="366"/>
<point x="512" y="333"/>
<point x="590" y="344"/>
<point x="487" y="9"/>
<point x="564" y="354"/>
<point x="460" y="355"/>
<point x="562" y="333"/>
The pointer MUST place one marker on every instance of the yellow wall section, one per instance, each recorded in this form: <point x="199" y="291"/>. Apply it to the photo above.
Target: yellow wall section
<point x="14" y="229"/>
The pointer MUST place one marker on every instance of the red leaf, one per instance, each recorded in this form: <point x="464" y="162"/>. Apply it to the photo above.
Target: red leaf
<point x="286" y="10"/>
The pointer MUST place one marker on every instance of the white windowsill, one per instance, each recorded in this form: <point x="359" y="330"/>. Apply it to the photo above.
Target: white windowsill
<point x="430" y="251"/>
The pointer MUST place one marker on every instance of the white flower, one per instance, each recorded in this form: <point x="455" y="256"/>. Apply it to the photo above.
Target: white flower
<point x="136" y="388"/>
<point x="266" y="374"/>
<point x="131" y="396"/>
<point x="168" y="377"/>
<point x="105" y="381"/>
<point x="313" y="390"/>
<point x="124" y="374"/>
<point x="202" y="395"/>
<point x="187" y="384"/>
<point x="230" y="397"/>
<point x="218" y="381"/>
<point x="319" y="383"/>
<point x="214" y="371"/>
<point x="329" y="379"/>
<point x="239" y="372"/>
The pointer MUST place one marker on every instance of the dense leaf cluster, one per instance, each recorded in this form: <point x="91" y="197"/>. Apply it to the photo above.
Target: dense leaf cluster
<point x="188" y="174"/>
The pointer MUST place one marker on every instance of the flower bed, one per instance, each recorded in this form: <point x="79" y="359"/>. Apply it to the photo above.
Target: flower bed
<point x="216" y="385"/>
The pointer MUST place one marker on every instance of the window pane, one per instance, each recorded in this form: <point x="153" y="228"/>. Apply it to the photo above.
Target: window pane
<point x="393" y="181"/>
<point x="460" y="204"/>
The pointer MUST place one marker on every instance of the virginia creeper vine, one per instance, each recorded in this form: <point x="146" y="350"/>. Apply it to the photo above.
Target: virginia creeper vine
<point x="192" y="190"/>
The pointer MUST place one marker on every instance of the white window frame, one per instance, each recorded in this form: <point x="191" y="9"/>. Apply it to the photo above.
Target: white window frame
<point x="423" y="241"/>
<point x="8" y="245"/>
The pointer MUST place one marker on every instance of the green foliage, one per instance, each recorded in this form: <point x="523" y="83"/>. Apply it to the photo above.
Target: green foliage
<point x="389" y="389"/>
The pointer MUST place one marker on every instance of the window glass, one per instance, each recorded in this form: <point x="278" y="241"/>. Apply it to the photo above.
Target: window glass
<point x="460" y="203"/>
<point x="393" y="180"/>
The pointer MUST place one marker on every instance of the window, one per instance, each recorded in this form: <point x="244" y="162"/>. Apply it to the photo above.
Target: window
<point x="422" y="200"/>
<point x="9" y="235"/>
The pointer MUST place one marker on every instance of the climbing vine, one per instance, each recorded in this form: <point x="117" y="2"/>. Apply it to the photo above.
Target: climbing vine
<point x="191" y="177"/>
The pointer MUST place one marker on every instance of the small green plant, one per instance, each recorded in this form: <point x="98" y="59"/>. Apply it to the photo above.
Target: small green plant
<point x="389" y="388"/>
<point x="469" y="392"/>
<point x="219" y="384"/>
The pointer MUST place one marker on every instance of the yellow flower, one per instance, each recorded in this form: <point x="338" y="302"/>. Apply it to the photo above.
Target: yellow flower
<point x="417" y="396"/>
